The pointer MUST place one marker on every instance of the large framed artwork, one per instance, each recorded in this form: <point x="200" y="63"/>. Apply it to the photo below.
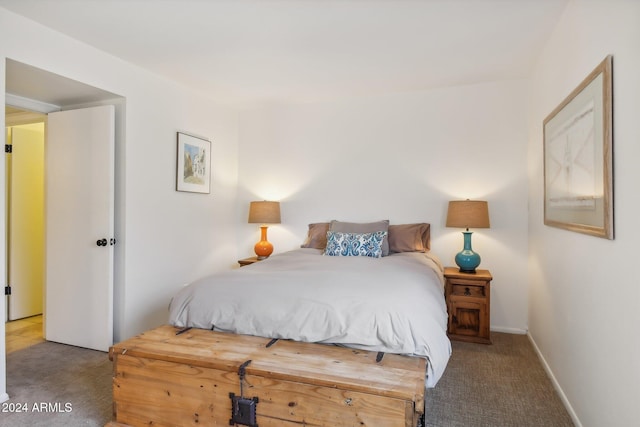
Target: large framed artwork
<point x="578" y="158"/>
<point x="194" y="164"/>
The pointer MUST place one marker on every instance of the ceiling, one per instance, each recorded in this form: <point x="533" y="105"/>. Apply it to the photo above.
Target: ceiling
<point x="253" y="52"/>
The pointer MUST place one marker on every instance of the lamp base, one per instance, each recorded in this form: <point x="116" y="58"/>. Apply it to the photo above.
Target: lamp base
<point x="263" y="248"/>
<point x="466" y="259"/>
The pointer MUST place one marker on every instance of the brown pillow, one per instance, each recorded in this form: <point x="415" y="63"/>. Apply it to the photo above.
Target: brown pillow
<point x="409" y="237"/>
<point x="317" y="236"/>
<point x="368" y="227"/>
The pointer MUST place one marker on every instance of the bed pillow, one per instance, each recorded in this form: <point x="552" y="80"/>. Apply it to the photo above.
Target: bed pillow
<point x="316" y="236"/>
<point x="409" y="237"/>
<point x="355" y="244"/>
<point x="367" y="227"/>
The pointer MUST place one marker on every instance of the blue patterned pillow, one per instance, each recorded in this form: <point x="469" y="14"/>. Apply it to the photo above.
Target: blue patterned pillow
<point x="355" y="244"/>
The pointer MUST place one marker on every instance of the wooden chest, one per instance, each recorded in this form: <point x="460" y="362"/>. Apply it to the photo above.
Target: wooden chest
<point x="163" y="378"/>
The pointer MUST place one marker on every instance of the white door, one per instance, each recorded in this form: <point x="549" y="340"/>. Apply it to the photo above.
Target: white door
<point x="26" y="220"/>
<point x="79" y="200"/>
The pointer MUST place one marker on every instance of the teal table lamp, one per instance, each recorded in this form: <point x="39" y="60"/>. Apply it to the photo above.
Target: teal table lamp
<point x="468" y="214"/>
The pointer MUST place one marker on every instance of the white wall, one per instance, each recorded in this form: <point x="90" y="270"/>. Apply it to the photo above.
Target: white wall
<point x="167" y="238"/>
<point x="399" y="157"/>
<point x="584" y="309"/>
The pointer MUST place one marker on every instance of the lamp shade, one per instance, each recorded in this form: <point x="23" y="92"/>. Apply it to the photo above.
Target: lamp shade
<point x="264" y="212"/>
<point x="468" y="214"/>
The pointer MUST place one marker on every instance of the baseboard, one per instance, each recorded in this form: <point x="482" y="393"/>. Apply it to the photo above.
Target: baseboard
<point x="4" y="397"/>
<point x="508" y="330"/>
<point x="556" y="385"/>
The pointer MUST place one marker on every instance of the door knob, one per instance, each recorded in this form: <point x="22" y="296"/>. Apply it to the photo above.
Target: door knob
<point x="102" y="242"/>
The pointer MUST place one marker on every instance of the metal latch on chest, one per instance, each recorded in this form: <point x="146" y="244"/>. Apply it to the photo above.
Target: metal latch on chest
<point x="243" y="409"/>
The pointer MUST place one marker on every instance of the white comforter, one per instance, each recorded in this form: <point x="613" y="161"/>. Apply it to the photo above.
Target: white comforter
<point x="393" y="304"/>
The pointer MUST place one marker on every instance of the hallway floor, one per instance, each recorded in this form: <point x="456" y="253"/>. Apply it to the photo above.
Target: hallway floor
<point x="23" y="333"/>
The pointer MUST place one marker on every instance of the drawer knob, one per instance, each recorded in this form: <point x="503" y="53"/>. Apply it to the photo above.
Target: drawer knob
<point x="467" y="291"/>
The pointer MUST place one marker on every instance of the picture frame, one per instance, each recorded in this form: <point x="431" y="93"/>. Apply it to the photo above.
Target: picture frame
<point x="193" y="171"/>
<point x="578" y="157"/>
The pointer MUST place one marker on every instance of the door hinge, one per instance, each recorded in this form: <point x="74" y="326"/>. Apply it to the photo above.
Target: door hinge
<point x="7" y="290"/>
<point x="8" y="148"/>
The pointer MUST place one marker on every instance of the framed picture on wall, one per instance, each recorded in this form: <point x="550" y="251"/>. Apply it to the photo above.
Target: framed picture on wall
<point x="193" y="172"/>
<point x="578" y="158"/>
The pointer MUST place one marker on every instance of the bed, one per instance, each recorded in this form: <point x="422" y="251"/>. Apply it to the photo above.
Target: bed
<point x="391" y="304"/>
<point x="346" y="331"/>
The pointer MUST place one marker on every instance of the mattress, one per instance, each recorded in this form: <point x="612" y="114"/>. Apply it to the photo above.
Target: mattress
<point x="394" y="304"/>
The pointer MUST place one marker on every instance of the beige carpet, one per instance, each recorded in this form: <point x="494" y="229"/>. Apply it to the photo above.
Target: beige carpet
<point x="55" y="385"/>
<point x="503" y="384"/>
<point x="497" y="385"/>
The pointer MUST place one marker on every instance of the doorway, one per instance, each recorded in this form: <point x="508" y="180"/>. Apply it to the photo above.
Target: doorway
<point x="32" y="89"/>
<point x="27" y="86"/>
<point x="24" y="163"/>
<point x="24" y="166"/>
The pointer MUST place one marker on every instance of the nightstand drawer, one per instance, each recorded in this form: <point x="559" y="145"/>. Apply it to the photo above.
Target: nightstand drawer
<point x="468" y="290"/>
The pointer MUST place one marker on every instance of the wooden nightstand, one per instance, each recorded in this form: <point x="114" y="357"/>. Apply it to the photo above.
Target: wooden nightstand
<point x="468" y="299"/>
<point x="248" y="261"/>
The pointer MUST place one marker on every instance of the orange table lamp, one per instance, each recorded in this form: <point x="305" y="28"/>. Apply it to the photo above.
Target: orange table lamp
<point x="264" y="212"/>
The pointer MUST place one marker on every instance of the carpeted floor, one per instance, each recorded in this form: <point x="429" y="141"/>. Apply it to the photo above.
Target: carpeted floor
<point x="55" y="385"/>
<point x="503" y="384"/>
<point x="495" y="385"/>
